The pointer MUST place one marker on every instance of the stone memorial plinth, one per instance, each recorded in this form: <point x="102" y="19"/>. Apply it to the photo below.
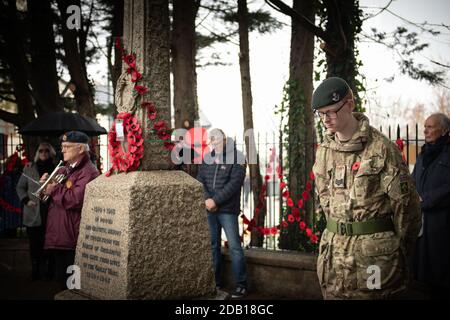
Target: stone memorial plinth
<point x="144" y="235"/>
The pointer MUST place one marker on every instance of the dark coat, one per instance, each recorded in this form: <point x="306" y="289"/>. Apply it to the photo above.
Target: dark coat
<point x="223" y="181"/>
<point x="432" y="259"/>
<point x="64" y="213"/>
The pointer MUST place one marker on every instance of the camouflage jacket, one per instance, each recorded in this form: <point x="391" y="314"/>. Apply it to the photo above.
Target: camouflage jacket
<point x="365" y="179"/>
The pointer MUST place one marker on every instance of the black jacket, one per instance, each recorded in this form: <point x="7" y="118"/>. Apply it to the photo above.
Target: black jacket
<point x="432" y="261"/>
<point x="223" y="181"/>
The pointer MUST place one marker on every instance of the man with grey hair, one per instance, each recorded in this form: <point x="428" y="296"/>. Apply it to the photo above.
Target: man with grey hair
<point x="432" y="177"/>
<point x="66" y="201"/>
<point x="222" y="175"/>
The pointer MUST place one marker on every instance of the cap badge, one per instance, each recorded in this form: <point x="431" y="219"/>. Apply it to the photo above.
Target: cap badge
<point x="335" y="97"/>
<point x="64" y="138"/>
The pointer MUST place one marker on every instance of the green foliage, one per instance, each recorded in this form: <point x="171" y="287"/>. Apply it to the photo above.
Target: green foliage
<point x="342" y="57"/>
<point x="293" y="131"/>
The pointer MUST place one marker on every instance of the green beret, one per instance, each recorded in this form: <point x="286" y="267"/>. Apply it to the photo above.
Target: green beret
<point x="75" y="136"/>
<point x="330" y="91"/>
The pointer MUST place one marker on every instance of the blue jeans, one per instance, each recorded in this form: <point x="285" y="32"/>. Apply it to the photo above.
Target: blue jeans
<point x="229" y="222"/>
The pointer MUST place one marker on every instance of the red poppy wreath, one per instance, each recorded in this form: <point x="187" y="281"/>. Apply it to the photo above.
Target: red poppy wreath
<point x="130" y="159"/>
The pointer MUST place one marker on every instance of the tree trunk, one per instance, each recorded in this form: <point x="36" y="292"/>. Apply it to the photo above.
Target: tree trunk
<point x="43" y="58"/>
<point x="301" y="120"/>
<point x="183" y="63"/>
<point x="83" y="95"/>
<point x="343" y="24"/>
<point x="244" y="63"/>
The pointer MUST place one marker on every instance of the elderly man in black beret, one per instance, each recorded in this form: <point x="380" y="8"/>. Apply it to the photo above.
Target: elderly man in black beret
<point x="66" y="200"/>
<point x="369" y="200"/>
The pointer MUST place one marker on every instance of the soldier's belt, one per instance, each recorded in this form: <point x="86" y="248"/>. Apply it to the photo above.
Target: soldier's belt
<point x="359" y="228"/>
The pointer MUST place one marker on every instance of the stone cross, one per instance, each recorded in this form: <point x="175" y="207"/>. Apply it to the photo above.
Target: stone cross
<point x="144" y="234"/>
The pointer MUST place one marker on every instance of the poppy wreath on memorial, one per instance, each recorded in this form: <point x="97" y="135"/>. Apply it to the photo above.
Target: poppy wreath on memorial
<point x="130" y="160"/>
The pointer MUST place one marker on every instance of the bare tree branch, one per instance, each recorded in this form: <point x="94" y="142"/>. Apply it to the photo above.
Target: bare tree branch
<point x="381" y="10"/>
<point x="308" y="25"/>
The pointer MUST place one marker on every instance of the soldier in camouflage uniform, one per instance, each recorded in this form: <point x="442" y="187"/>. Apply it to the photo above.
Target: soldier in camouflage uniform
<point x="369" y="200"/>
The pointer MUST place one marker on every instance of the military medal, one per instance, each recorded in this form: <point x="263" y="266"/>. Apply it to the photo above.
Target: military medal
<point x="69" y="184"/>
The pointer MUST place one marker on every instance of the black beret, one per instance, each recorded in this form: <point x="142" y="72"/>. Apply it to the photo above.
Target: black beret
<point x="330" y="91"/>
<point x="75" y="136"/>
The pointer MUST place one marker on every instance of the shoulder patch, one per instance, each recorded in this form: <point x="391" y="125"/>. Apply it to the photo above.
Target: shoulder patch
<point x="404" y="186"/>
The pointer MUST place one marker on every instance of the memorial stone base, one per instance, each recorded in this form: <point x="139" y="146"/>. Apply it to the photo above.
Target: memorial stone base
<point x="144" y="235"/>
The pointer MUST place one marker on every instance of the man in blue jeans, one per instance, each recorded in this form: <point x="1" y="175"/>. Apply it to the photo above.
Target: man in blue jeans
<point x="222" y="174"/>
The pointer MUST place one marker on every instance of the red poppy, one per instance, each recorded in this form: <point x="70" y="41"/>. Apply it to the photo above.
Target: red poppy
<point x="132" y="127"/>
<point x="131" y="138"/>
<point x="290" y="203"/>
<point x="300" y="203"/>
<point x="291" y="218"/>
<point x="147" y="105"/>
<point x="169" y="145"/>
<point x="133" y="148"/>
<point x="151" y="114"/>
<point x="130" y="60"/>
<point x="282" y="185"/>
<point x="295" y="211"/>
<point x="308" y="186"/>
<point x="355" y="166"/>
<point x="124" y="116"/>
<point x="308" y="232"/>
<point x="284" y="223"/>
<point x="135" y="75"/>
<point x="400" y="144"/>
<point x="302" y="225"/>
<point x="305" y="195"/>
<point x="285" y="194"/>
<point x="141" y="90"/>
<point x="163" y="135"/>
<point x="267" y="178"/>
<point x="159" y="125"/>
<point x="312" y="176"/>
<point x="298" y="219"/>
<point x="274" y="230"/>
<point x="139" y="142"/>
<point x="314" y="238"/>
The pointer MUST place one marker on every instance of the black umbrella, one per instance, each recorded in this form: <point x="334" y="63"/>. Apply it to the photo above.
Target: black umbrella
<point x="57" y="123"/>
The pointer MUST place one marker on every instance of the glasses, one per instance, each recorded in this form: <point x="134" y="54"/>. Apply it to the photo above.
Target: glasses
<point x="67" y="146"/>
<point x="44" y="150"/>
<point x="330" y="114"/>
